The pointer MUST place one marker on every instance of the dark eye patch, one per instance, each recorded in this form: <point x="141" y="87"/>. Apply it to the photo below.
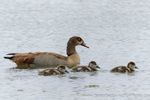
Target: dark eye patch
<point x="93" y="62"/>
<point x="62" y="67"/>
<point x="132" y="63"/>
<point x="79" y="39"/>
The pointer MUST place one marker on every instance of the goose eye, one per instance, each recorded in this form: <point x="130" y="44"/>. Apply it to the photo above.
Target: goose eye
<point x="79" y="39"/>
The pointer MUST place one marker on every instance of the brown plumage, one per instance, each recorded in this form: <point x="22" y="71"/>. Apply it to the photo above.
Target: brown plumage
<point x="90" y="68"/>
<point x="54" y="71"/>
<point x="123" y="69"/>
<point x="49" y="59"/>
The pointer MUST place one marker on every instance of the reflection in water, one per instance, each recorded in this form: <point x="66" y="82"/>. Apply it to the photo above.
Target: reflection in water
<point x="91" y="86"/>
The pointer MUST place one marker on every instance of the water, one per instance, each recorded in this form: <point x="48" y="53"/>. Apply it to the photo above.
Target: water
<point x="117" y="32"/>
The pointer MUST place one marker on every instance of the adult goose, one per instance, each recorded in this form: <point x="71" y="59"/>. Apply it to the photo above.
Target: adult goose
<point x="49" y="59"/>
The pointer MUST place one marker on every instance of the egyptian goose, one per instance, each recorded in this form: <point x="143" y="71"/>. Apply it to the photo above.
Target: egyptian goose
<point x="54" y="71"/>
<point x="90" y="68"/>
<point x="123" y="69"/>
<point x="49" y="59"/>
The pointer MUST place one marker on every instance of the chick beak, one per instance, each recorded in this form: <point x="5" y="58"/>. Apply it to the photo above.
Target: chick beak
<point x="66" y="71"/>
<point x="84" y="44"/>
<point x="136" y="67"/>
<point x="97" y="67"/>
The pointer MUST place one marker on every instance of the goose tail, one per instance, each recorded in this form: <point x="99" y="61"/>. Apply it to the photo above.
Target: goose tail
<point x="10" y="58"/>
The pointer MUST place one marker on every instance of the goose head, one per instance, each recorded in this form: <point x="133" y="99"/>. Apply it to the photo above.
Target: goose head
<point x="73" y="42"/>
<point x="76" y="40"/>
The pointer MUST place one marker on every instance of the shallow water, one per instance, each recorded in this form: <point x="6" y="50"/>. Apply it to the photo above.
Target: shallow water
<point x="117" y="32"/>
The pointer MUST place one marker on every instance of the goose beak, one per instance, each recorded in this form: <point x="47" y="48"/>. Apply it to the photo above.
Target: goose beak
<point x="83" y="44"/>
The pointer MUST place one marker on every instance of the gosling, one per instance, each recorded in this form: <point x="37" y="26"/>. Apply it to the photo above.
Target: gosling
<point x="54" y="71"/>
<point x="123" y="69"/>
<point x="90" y="68"/>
